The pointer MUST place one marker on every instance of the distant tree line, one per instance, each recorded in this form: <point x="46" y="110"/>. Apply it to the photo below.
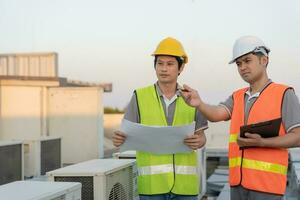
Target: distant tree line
<point x="110" y="110"/>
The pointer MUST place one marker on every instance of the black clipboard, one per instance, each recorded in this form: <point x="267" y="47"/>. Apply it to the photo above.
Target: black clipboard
<point x="265" y="129"/>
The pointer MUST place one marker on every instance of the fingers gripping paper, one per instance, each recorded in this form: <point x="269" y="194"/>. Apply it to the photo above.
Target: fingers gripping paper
<point x="156" y="139"/>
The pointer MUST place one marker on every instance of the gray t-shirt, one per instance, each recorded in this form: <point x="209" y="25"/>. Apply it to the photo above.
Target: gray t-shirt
<point x="290" y="107"/>
<point x="132" y="113"/>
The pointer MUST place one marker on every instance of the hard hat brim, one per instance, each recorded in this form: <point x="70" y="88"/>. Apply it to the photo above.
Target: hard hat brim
<point x="232" y="61"/>
<point x="266" y="54"/>
<point x="184" y="58"/>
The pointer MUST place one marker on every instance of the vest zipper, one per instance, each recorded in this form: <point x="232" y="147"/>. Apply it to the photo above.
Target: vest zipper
<point x="241" y="168"/>
<point x="173" y="174"/>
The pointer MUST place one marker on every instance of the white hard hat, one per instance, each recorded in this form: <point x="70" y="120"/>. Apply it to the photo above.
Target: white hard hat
<point x="248" y="44"/>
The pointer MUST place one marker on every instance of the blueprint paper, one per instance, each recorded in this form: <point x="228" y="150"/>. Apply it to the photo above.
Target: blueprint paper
<point x="156" y="139"/>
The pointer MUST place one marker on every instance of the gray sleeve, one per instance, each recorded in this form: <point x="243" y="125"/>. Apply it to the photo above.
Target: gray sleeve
<point x="290" y="110"/>
<point x="201" y="121"/>
<point x="228" y="104"/>
<point x="132" y="111"/>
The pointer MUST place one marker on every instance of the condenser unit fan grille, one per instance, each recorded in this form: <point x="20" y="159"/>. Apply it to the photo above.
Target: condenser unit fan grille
<point x="119" y="185"/>
<point x="117" y="192"/>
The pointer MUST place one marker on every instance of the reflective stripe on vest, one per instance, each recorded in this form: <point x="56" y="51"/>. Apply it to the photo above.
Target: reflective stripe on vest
<point x="258" y="165"/>
<point x="160" y="169"/>
<point x="233" y="138"/>
<point x="191" y="170"/>
<point x="156" y="169"/>
<point x="259" y="169"/>
<point x="156" y="172"/>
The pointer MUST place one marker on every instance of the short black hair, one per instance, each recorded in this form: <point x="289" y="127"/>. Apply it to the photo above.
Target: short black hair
<point x="260" y="55"/>
<point x="178" y="59"/>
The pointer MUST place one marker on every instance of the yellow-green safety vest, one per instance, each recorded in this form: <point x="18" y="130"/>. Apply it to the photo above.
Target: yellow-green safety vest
<point x="159" y="174"/>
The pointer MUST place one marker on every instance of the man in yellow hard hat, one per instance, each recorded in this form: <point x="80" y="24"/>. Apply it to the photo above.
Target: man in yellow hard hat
<point x="167" y="176"/>
<point x="258" y="172"/>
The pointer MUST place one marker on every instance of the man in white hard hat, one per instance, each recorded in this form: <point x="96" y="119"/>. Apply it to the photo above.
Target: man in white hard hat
<point x="257" y="170"/>
<point x="167" y="176"/>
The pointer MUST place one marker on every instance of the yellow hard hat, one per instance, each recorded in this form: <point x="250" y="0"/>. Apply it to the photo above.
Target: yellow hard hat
<point x="172" y="47"/>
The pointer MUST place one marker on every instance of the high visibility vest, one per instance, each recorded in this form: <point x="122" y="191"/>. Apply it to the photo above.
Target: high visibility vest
<point x="159" y="174"/>
<point x="259" y="169"/>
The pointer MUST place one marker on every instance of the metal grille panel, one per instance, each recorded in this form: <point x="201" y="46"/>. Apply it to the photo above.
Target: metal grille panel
<point x="120" y="185"/>
<point x="117" y="192"/>
<point x="87" y="182"/>
<point x="10" y="163"/>
<point x="50" y="155"/>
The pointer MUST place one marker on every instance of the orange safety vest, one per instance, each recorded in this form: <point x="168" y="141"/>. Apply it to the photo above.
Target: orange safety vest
<point x="259" y="169"/>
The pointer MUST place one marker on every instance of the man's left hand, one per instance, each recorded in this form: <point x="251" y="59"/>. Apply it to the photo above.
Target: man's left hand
<point x="251" y="140"/>
<point x="195" y="141"/>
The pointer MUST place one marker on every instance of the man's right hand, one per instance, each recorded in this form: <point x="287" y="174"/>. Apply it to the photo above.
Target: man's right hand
<point x="118" y="138"/>
<point x="191" y="96"/>
<point x="212" y="113"/>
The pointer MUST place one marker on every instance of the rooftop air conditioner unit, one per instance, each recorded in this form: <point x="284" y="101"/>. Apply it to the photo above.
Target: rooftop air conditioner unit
<point x="101" y="179"/>
<point x="42" y="155"/>
<point x="11" y="161"/>
<point x="40" y="190"/>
